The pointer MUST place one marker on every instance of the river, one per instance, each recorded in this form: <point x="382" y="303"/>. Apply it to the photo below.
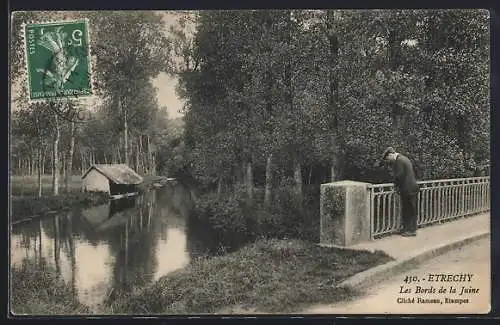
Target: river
<point x="117" y="247"/>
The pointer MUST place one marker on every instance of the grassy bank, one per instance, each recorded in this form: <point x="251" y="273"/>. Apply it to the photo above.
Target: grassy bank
<point x="24" y="207"/>
<point x="28" y="185"/>
<point x="27" y="204"/>
<point x="268" y="276"/>
<point x="39" y="291"/>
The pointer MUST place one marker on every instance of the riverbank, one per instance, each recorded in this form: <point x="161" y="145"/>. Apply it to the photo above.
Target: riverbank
<point x="22" y="185"/>
<point x="39" y="291"/>
<point x="268" y="276"/>
<point x="27" y="205"/>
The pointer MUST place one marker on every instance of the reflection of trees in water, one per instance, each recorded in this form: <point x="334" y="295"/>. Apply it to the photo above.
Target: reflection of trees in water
<point x="70" y="245"/>
<point x="138" y="224"/>
<point x="201" y="238"/>
<point x="134" y="245"/>
<point x="59" y="231"/>
<point x="80" y="227"/>
<point x="175" y="199"/>
<point x="204" y="240"/>
<point x="28" y="233"/>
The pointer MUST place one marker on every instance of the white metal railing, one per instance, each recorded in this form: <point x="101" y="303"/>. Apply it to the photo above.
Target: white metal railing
<point x="437" y="201"/>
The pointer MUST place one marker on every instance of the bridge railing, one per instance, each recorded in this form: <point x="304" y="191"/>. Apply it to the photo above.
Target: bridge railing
<point x="437" y="201"/>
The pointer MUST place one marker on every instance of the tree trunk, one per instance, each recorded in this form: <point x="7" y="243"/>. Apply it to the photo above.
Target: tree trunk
<point x="333" y="170"/>
<point x="243" y="172"/>
<point x="39" y="171"/>
<point x="63" y="164"/>
<point x="141" y="156"/>
<point x="43" y="160"/>
<point x="55" y="159"/>
<point x="153" y="164"/>
<point x="269" y="186"/>
<point x="137" y="148"/>
<point x="125" y="133"/>
<point x="22" y="183"/>
<point x="119" y="153"/>
<point x="30" y="165"/>
<point x="249" y="180"/>
<point x="35" y="161"/>
<point x="151" y="169"/>
<point x="219" y="188"/>
<point x="82" y="161"/>
<point x="69" y="163"/>
<point x="394" y="49"/>
<point x="297" y="176"/>
<point x="333" y="95"/>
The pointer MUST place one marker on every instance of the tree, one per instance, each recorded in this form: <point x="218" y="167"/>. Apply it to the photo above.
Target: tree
<point x="130" y="49"/>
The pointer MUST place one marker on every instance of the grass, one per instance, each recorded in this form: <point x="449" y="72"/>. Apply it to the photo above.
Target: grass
<point x="267" y="276"/>
<point x="27" y="204"/>
<point x="24" y="207"/>
<point x="28" y="185"/>
<point x="39" y="291"/>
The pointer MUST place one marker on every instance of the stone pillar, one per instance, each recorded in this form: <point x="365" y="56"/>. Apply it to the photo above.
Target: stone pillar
<point x="344" y="213"/>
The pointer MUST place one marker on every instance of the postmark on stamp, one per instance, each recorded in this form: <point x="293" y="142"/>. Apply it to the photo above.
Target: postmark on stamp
<point x="58" y="60"/>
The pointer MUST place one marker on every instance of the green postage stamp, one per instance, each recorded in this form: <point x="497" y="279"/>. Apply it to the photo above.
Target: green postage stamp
<point x="58" y="60"/>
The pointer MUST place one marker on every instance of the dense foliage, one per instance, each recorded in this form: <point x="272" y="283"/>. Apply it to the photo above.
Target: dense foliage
<point x="324" y="92"/>
<point x="277" y="101"/>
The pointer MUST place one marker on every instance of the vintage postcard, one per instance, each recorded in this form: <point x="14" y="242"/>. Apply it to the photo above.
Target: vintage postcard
<point x="250" y="162"/>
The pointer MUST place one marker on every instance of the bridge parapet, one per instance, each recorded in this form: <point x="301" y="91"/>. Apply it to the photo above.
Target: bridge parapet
<point x="352" y="212"/>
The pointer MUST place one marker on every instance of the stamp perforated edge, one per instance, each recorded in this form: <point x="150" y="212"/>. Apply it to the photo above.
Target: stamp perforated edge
<point x="90" y="65"/>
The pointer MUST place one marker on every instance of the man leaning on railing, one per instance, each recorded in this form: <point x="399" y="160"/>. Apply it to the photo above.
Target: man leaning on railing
<point x="406" y="185"/>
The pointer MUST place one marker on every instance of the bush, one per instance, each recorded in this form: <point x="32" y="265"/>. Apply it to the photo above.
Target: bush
<point x="233" y="216"/>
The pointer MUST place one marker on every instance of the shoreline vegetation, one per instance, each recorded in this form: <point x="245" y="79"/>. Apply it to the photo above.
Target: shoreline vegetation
<point x="53" y="297"/>
<point x="296" y="274"/>
<point x="26" y="204"/>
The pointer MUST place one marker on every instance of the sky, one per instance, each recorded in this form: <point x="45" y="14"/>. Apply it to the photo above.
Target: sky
<point x="166" y="95"/>
<point x="165" y="84"/>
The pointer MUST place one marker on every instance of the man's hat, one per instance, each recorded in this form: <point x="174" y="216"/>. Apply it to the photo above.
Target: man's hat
<point x="388" y="151"/>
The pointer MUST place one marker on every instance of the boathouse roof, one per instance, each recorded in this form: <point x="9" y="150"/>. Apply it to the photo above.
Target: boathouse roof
<point x="118" y="173"/>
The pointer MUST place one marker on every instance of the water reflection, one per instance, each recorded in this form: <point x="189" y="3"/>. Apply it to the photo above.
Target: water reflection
<point x="116" y="247"/>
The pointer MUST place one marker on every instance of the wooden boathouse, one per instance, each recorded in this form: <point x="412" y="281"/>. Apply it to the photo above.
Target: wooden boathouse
<point x="118" y="180"/>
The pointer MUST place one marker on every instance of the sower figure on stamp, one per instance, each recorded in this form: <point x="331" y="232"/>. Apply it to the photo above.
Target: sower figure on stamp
<point x="406" y="184"/>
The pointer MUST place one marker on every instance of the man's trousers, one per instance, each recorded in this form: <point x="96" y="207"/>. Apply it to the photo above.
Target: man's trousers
<point x="409" y="210"/>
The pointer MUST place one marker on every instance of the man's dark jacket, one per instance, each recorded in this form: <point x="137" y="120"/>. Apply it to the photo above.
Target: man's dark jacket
<point x="404" y="175"/>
